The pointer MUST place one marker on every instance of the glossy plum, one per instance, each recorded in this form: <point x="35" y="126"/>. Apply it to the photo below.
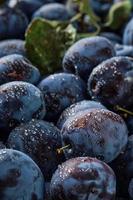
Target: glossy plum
<point x="40" y="140"/>
<point x="17" y="68"/>
<point x="83" y="178"/>
<point x="60" y="91"/>
<point x="20" y="102"/>
<point x="75" y="108"/>
<point x="97" y="133"/>
<point x="20" y="177"/>
<point x="111" y="82"/>
<point x="86" y="54"/>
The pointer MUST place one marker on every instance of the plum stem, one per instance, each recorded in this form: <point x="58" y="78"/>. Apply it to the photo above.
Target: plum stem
<point x="60" y="150"/>
<point x="124" y="110"/>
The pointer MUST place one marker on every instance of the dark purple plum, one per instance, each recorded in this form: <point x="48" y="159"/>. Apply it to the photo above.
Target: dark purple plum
<point x="26" y="6"/>
<point x="128" y="33"/>
<point x="53" y="11"/>
<point x="19" y="103"/>
<point x="39" y="140"/>
<point x="20" y="177"/>
<point x="111" y="82"/>
<point x="11" y="46"/>
<point x="97" y="133"/>
<point x="18" y="68"/>
<point x="60" y="91"/>
<point x="75" y="108"/>
<point x="13" y="23"/>
<point x="124" y="50"/>
<point x="83" y="178"/>
<point x="86" y="54"/>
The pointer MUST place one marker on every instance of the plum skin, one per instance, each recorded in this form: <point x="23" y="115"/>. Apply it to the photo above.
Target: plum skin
<point x="97" y="133"/>
<point x="20" y="177"/>
<point x="111" y="82"/>
<point x="75" y="108"/>
<point x="39" y="140"/>
<point x="86" y="54"/>
<point x="18" y="68"/>
<point x="19" y="103"/>
<point x="83" y="178"/>
<point x="60" y="91"/>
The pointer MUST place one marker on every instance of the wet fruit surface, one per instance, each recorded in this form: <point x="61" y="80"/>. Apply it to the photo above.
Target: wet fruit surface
<point x="40" y="140"/>
<point x="60" y="91"/>
<point x="20" y="102"/>
<point x="17" y="68"/>
<point x="75" y="108"/>
<point x="97" y="133"/>
<point x="111" y="82"/>
<point x="14" y="182"/>
<point x="83" y="178"/>
<point x="66" y="99"/>
<point x="86" y="54"/>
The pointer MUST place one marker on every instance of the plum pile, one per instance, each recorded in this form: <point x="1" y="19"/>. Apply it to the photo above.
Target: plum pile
<point x="66" y="100"/>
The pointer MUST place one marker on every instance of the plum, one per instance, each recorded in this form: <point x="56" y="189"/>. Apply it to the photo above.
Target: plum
<point x="20" y="177"/>
<point x="111" y="83"/>
<point x="83" y="178"/>
<point x="17" y="68"/>
<point x="19" y="103"/>
<point x="75" y="108"/>
<point x="60" y="91"/>
<point x="86" y="54"/>
<point x="97" y="133"/>
<point x="40" y="140"/>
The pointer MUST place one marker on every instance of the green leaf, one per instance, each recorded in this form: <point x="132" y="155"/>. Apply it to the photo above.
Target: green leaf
<point x="118" y="13"/>
<point x="85" y="8"/>
<point x="46" y="43"/>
